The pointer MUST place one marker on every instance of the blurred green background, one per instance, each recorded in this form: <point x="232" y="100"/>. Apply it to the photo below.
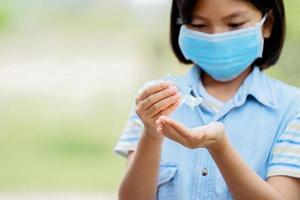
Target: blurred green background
<point x="69" y="70"/>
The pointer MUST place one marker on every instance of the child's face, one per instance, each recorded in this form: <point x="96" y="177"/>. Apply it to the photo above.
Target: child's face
<point x="217" y="16"/>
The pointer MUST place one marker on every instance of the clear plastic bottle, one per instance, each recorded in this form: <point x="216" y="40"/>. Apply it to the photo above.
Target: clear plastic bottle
<point x="186" y="97"/>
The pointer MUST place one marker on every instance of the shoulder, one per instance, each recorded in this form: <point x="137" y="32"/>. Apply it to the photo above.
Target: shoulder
<point x="284" y="93"/>
<point x="283" y="87"/>
<point x="287" y="98"/>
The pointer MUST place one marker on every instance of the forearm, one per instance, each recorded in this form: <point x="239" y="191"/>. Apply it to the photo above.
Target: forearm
<point x="242" y="181"/>
<point x="140" y="180"/>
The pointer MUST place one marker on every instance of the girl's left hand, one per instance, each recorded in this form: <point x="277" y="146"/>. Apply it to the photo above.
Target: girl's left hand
<point x="211" y="136"/>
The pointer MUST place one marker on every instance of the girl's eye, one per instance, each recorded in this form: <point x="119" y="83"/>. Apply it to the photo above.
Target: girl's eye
<point x="197" y="26"/>
<point x="236" y="25"/>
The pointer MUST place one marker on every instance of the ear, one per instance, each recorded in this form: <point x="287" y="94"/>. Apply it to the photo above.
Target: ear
<point x="268" y="25"/>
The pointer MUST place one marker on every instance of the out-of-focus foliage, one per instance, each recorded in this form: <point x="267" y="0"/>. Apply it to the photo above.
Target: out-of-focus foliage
<point x="5" y="15"/>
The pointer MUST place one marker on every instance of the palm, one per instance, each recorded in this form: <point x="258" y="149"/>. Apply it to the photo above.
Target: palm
<point x="198" y="137"/>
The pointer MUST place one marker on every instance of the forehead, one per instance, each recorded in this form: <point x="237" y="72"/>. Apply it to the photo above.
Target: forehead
<point x="223" y="8"/>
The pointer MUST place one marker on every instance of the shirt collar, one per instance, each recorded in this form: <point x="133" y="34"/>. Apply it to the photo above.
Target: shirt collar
<point x="257" y="84"/>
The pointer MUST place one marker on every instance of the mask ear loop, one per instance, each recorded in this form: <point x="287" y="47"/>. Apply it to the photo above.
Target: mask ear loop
<point x="266" y="15"/>
<point x="260" y="24"/>
<point x="179" y="21"/>
<point x="263" y="20"/>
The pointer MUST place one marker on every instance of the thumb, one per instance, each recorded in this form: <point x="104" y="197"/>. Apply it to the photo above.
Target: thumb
<point x="212" y="130"/>
<point x="215" y="130"/>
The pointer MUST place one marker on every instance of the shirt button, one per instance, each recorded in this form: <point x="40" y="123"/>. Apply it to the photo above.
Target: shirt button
<point x="204" y="172"/>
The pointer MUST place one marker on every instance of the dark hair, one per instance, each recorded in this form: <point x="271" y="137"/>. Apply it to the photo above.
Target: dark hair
<point x="182" y="11"/>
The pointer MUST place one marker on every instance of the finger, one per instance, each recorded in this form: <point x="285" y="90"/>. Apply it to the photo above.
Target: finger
<point x="211" y="132"/>
<point x="174" y="135"/>
<point x="200" y="132"/>
<point x="165" y="103"/>
<point x="167" y="111"/>
<point x="156" y="97"/>
<point x="158" y="123"/>
<point x="214" y="130"/>
<point x="169" y="132"/>
<point x="170" y="109"/>
<point x="191" y="142"/>
<point x="152" y="89"/>
<point x="206" y="143"/>
<point x="179" y="127"/>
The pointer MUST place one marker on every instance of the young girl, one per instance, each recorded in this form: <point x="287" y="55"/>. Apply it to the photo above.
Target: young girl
<point x="243" y="140"/>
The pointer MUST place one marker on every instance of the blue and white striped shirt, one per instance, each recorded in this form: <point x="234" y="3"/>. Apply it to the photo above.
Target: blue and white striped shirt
<point x="262" y="122"/>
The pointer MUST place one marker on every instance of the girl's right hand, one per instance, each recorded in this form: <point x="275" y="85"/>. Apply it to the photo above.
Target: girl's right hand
<point x="152" y="102"/>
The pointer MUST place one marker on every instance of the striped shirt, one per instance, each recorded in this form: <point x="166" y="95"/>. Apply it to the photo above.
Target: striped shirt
<point x="262" y="122"/>
<point x="286" y="151"/>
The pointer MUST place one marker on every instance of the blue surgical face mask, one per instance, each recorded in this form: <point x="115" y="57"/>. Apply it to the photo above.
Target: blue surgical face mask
<point x="224" y="56"/>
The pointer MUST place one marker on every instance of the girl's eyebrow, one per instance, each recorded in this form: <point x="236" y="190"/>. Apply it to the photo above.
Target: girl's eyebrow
<point x="236" y="14"/>
<point x="233" y="15"/>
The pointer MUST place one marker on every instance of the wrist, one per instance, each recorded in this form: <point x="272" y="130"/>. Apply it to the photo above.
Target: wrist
<point x="150" y="137"/>
<point x="219" y="146"/>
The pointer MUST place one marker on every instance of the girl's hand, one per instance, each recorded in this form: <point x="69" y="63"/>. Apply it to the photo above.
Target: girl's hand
<point x="154" y="101"/>
<point x="211" y="136"/>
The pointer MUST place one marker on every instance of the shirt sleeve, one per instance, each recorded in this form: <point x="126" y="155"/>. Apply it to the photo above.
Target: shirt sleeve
<point x="130" y="134"/>
<point x="133" y="128"/>
<point x="285" y="156"/>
